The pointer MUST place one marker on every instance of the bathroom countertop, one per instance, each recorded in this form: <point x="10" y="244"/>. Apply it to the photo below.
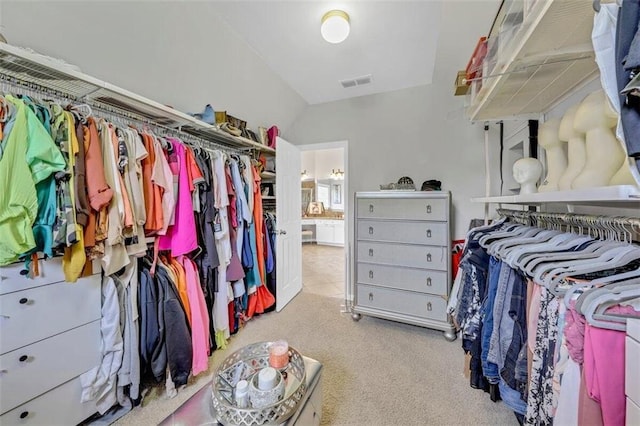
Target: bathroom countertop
<point x="322" y="218"/>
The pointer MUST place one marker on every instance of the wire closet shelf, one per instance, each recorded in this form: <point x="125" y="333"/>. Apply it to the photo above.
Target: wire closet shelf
<point x="34" y="75"/>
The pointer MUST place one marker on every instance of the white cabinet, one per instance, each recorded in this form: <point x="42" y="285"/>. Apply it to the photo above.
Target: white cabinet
<point x="632" y="372"/>
<point x="403" y="258"/>
<point x="50" y="335"/>
<point x="330" y="232"/>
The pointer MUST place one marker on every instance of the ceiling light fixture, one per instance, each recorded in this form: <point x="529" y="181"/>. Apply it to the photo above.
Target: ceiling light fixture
<point x="335" y="26"/>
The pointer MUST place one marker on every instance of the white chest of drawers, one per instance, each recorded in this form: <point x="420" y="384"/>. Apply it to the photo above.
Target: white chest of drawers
<point x="402" y="257"/>
<point x="49" y="336"/>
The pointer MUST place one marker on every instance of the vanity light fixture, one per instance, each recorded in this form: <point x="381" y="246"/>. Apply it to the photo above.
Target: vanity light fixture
<point x="336" y="174"/>
<point x="335" y="26"/>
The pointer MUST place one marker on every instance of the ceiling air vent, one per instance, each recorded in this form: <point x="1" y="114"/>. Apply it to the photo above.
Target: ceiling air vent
<point x="358" y="81"/>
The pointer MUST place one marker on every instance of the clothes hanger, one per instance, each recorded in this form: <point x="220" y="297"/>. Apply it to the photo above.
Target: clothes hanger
<point x="560" y="243"/>
<point x="559" y="261"/>
<point x="591" y="290"/>
<point x="601" y="303"/>
<point x="588" y="295"/>
<point x="533" y="262"/>
<point x="608" y="260"/>
<point x="635" y="273"/>
<point x="81" y="112"/>
<point x="505" y="247"/>
<point x="510" y="230"/>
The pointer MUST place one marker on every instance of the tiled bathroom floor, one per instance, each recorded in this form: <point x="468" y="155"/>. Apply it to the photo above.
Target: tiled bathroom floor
<point x="323" y="270"/>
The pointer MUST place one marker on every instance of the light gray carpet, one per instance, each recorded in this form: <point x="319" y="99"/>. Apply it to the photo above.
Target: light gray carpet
<point x="376" y="372"/>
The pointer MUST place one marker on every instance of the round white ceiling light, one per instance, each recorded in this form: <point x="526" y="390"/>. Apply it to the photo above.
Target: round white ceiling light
<point x="335" y="26"/>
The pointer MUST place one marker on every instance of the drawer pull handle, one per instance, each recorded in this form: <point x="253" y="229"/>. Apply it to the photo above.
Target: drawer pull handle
<point x="24" y="414"/>
<point x="429" y="306"/>
<point x="24" y="301"/>
<point x="428" y="257"/>
<point x="428" y="208"/>
<point x="429" y="281"/>
<point x="370" y="297"/>
<point x="370" y="274"/>
<point x="371" y="230"/>
<point x="428" y="233"/>
<point x="370" y="208"/>
<point x="23" y="358"/>
<point x="370" y="252"/>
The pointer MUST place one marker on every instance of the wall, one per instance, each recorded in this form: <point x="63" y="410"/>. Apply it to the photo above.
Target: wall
<point x="177" y="53"/>
<point x="320" y="163"/>
<point x="328" y="160"/>
<point x="418" y="132"/>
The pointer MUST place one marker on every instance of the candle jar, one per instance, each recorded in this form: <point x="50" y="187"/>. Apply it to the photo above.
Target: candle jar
<point x="279" y="354"/>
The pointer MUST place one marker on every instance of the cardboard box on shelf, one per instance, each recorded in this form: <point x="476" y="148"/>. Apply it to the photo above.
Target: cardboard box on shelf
<point x="461" y="86"/>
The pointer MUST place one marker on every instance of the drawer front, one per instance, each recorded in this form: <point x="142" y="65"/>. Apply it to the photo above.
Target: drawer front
<point x="403" y="255"/>
<point x="35" y="369"/>
<point x="633" y="413"/>
<point x="632" y="369"/>
<point x="403" y="208"/>
<point x="432" y="233"/>
<point x="50" y="271"/>
<point x="420" y="280"/>
<point x="37" y="313"/>
<point x="311" y="413"/>
<point x="402" y="302"/>
<point x="60" y="406"/>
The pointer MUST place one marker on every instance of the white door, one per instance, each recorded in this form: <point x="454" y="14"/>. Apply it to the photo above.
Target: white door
<point x="289" y="234"/>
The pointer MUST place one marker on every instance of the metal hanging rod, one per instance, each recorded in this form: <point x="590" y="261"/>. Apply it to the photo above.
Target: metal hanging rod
<point x="604" y="227"/>
<point x="116" y="115"/>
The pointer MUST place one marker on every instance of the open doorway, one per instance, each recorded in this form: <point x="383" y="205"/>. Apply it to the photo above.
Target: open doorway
<point x="323" y="185"/>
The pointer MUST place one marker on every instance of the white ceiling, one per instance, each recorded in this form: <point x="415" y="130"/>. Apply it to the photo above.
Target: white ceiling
<point x="394" y="41"/>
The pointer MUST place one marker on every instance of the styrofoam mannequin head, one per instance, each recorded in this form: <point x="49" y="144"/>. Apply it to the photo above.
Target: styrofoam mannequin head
<point x="567" y="131"/>
<point x="595" y="111"/>
<point x="527" y="171"/>
<point x="548" y="133"/>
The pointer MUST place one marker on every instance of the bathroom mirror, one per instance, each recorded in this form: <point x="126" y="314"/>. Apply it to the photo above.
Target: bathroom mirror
<point x="307" y="197"/>
<point x="323" y="193"/>
<point x="331" y="193"/>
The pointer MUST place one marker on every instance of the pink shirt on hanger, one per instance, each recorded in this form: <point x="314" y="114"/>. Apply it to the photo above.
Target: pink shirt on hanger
<point x="199" y="317"/>
<point x="181" y="237"/>
<point x="604" y="367"/>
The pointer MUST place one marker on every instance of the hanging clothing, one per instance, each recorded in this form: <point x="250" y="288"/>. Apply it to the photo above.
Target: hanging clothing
<point x="153" y="354"/>
<point x="115" y="254"/>
<point x="176" y="329"/>
<point x="24" y="164"/>
<point x="99" y="383"/>
<point x="181" y="238"/>
<point x="627" y="51"/>
<point x="199" y="318"/>
<point x="74" y="256"/>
